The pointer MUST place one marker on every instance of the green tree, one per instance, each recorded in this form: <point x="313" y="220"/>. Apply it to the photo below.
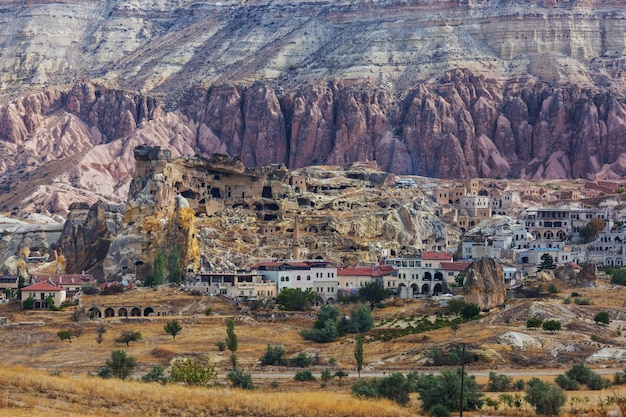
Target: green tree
<point x="328" y="333"/>
<point x="547" y="262"/>
<point x="28" y="303"/>
<point x="240" y="379"/>
<point x="499" y="382"/>
<point x="231" y="341"/>
<point x="455" y="306"/>
<point x="602" y="318"/>
<point x="66" y="335"/>
<point x="360" y="320"/>
<point x="274" y="355"/>
<point x="173" y="264"/>
<point x="591" y="229"/>
<point x="533" y="323"/>
<point x="304" y="376"/>
<point x="173" y="328"/>
<point x="373" y="293"/>
<point x="580" y="373"/>
<point x="301" y="360"/>
<point x="546" y="399"/>
<point x="156" y="374"/>
<point x="394" y="387"/>
<point x="566" y="382"/>
<point x="619" y="276"/>
<point x="294" y="299"/>
<point x="470" y="311"/>
<point x="120" y="364"/>
<point x="445" y="389"/>
<point x="358" y="354"/>
<point x="196" y="370"/>
<point x="128" y="337"/>
<point x="551" y="325"/>
<point x="156" y="277"/>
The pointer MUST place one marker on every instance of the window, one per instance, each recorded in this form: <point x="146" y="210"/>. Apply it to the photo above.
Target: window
<point x="308" y="277"/>
<point x="298" y="278"/>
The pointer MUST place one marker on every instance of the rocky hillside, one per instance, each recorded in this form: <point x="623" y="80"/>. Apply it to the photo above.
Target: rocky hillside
<point x="454" y="89"/>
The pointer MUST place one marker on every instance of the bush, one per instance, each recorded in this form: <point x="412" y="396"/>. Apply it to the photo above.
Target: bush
<point x="445" y="389"/>
<point x="602" y="318"/>
<point x="91" y="289"/>
<point x="294" y="299"/>
<point x="28" y="303"/>
<point x="519" y="384"/>
<point x="120" y="365"/>
<point x="128" y="337"/>
<point x="326" y="375"/>
<point x="619" y="277"/>
<point x="470" y="310"/>
<point x="394" y="387"/>
<point x="567" y="383"/>
<point x="582" y="301"/>
<point x="567" y="300"/>
<point x="301" y="360"/>
<point x="533" y="323"/>
<point x="596" y="382"/>
<point x="195" y="370"/>
<point x="208" y="311"/>
<point x="341" y="374"/>
<point x="546" y="399"/>
<point x="304" y="376"/>
<point x="580" y="373"/>
<point x="360" y="320"/>
<point x="326" y="334"/>
<point x="454" y="357"/>
<point x="273" y="355"/>
<point x="240" y="379"/>
<point x="551" y="325"/>
<point x="221" y="345"/>
<point x="553" y="289"/>
<point x="455" y="306"/>
<point x="156" y="374"/>
<point x="499" y="382"/>
<point x="439" y="410"/>
<point x="619" y="378"/>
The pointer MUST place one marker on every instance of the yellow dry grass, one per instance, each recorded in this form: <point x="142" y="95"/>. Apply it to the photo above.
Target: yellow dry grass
<point x="34" y="393"/>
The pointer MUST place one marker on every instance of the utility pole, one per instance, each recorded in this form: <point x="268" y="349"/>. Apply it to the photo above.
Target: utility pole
<point x="462" y="380"/>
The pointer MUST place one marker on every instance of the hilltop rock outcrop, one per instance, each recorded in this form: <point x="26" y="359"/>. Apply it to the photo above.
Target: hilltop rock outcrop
<point x="87" y="235"/>
<point x="484" y="284"/>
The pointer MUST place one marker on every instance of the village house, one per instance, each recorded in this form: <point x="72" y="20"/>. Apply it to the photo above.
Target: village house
<point x="42" y="292"/>
<point x="71" y="282"/>
<point x="350" y="279"/>
<point x="10" y="283"/>
<point x="236" y="285"/>
<point x="317" y="275"/>
<point x="422" y="275"/>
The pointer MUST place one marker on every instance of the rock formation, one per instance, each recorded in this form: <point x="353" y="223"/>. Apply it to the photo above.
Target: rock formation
<point x="87" y="235"/>
<point x="484" y="284"/>
<point x="218" y="213"/>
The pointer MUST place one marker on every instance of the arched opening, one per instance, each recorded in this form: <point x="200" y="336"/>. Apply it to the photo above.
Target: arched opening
<point x="618" y="262"/>
<point x="215" y="193"/>
<point x="148" y="311"/>
<point x="109" y="312"/>
<point x="416" y="290"/>
<point x="438" y="277"/>
<point x="330" y="301"/>
<point x="135" y="312"/>
<point x="425" y="289"/>
<point x="122" y="312"/>
<point x="428" y="276"/>
<point x="437" y="289"/>
<point x="267" y="192"/>
<point x="94" y="313"/>
<point x="608" y="262"/>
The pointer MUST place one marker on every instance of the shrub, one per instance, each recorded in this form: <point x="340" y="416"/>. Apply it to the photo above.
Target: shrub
<point x="221" y="345"/>
<point x="208" y="311"/>
<point x="341" y="374"/>
<point x="602" y="318"/>
<point x="619" y="276"/>
<point x="360" y="320"/>
<point x="240" y="379"/>
<point x="66" y="335"/>
<point x="294" y="299"/>
<point x="455" y="306"/>
<point x="128" y="337"/>
<point x="326" y="375"/>
<point x="579" y="373"/>
<point x="619" y="378"/>
<point x="470" y="310"/>
<point x="551" y="325"/>
<point x="120" y="365"/>
<point x="553" y="289"/>
<point x="394" y="387"/>
<point x="195" y="370"/>
<point x="582" y="301"/>
<point x="28" y="303"/>
<point x="91" y="289"/>
<point x="546" y="399"/>
<point x="499" y="382"/>
<point x="273" y="355"/>
<point x="519" y="384"/>
<point x="567" y="383"/>
<point x="301" y="360"/>
<point x="567" y="300"/>
<point x="439" y="410"/>
<point x="328" y="333"/>
<point x="598" y="338"/>
<point x="445" y="389"/>
<point x="156" y="374"/>
<point x="304" y="376"/>
<point x="596" y="382"/>
<point x="533" y="322"/>
<point x="173" y="328"/>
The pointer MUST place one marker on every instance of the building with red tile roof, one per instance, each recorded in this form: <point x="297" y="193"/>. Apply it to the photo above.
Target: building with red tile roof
<point x="42" y="292"/>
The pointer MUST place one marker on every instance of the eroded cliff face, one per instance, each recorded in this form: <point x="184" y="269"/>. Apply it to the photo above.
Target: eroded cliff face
<point x="484" y="284"/>
<point x="77" y="144"/>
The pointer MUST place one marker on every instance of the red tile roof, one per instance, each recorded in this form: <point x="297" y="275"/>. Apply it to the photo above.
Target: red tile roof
<point x="436" y="256"/>
<point x="455" y="266"/>
<point x="65" y="279"/>
<point x="42" y="286"/>
<point x="375" y="271"/>
<point x="295" y="264"/>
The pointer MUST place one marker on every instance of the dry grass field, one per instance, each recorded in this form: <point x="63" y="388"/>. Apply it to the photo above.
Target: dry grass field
<point x="43" y="375"/>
